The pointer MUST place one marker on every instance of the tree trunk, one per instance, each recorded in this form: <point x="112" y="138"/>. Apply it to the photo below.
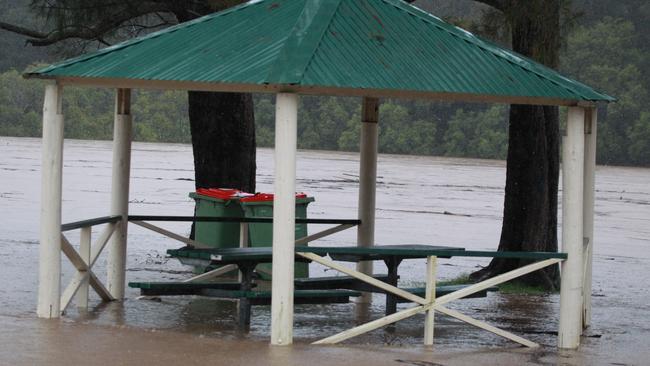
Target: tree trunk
<point x="223" y="140"/>
<point x="531" y="194"/>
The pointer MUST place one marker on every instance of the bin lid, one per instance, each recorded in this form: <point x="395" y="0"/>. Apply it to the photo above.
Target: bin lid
<point x="267" y="197"/>
<point x="223" y="193"/>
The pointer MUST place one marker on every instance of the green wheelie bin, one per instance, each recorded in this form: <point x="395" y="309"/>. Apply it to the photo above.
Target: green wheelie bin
<point x="217" y="202"/>
<point x="261" y="234"/>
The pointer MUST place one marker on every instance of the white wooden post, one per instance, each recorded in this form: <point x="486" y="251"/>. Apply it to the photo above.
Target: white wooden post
<point x="243" y="243"/>
<point x="84" y="253"/>
<point x="588" y="220"/>
<point x="572" y="230"/>
<point x="122" y="132"/>
<point x="284" y="218"/>
<point x="430" y="297"/>
<point x="49" y="273"/>
<point x="367" y="183"/>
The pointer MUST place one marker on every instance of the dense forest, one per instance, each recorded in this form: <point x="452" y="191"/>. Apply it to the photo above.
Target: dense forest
<point x="606" y="45"/>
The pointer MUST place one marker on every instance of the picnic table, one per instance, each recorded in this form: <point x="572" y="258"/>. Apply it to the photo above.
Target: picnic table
<point x="327" y="289"/>
<point x="427" y="299"/>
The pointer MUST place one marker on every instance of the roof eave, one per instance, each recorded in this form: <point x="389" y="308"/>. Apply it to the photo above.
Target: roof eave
<point x="306" y="90"/>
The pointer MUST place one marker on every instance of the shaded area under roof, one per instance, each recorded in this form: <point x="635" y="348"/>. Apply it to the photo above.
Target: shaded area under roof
<point x="383" y="48"/>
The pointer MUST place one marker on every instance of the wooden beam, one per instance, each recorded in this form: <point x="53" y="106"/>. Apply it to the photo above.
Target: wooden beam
<point x="591" y="118"/>
<point x="426" y="306"/>
<point x="485" y="326"/>
<point x="307" y="90"/>
<point x="364" y="277"/>
<point x="100" y="243"/>
<point x="122" y="136"/>
<point x="260" y="220"/>
<point x="90" y="222"/>
<point x="72" y="289"/>
<point x="571" y="287"/>
<point x="284" y="218"/>
<point x="496" y="280"/>
<point x="368" y="151"/>
<point x="169" y="234"/>
<point x="84" y="253"/>
<point x="322" y="234"/>
<point x="212" y="274"/>
<point x="81" y="266"/>
<point x="375" y="324"/>
<point x="430" y="298"/>
<point x="49" y="269"/>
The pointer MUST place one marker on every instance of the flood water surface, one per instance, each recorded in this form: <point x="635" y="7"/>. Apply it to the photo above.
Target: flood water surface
<point x="420" y="200"/>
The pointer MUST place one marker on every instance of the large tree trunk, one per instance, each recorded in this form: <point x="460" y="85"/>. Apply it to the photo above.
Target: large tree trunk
<point x="530" y="205"/>
<point x="223" y="140"/>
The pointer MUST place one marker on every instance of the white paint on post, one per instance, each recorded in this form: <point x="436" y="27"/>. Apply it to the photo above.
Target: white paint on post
<point x="84" y="253"/>
<point x="49" y="274"/>
<point x="284" y="218"/>
<point x="367" y="183"/>
<point x="431" y="298"/>
<point x="588" y="220"/>
<point x="572" y="230"/>
<point x="122" y="132"/>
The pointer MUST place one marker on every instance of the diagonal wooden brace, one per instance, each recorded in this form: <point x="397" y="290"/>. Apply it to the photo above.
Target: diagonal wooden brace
<point x="485" y="326"/>
<point x="169" y="234"/>
<point x="99" y="245"/>
<point x="322" y="234"/>
<point x="365" y="278"/>
<point x="496" y="280"/>
<point x="83" y="271"/>
<point x="375" y="324"/>
<point x="427" y="305"/>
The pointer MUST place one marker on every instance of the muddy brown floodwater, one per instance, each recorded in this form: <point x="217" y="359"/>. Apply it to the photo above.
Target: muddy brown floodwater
<point x="424" y="200"/>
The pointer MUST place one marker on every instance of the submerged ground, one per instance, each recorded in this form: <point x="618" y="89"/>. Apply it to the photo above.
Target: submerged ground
<point x="421" y="200"/>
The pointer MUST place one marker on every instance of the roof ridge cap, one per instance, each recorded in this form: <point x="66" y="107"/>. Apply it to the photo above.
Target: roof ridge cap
<point x="137" y="40"/>
<point x="302" y="42"/>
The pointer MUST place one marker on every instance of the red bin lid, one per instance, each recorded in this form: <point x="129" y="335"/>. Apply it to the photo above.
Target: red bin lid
<point x="267" y="197"/>
<point x="222" y="193"/>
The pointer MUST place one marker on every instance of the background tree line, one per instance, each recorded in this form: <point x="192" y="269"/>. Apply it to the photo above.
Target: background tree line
<point x="607" y="47"/>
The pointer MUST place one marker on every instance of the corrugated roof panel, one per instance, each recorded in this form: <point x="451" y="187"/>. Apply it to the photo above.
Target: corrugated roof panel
<point x="202" y="51"/>
<point x="383" y="45"/>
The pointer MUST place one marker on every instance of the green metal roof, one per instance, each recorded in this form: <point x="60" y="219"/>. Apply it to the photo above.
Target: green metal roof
<point x="344" y="47"/>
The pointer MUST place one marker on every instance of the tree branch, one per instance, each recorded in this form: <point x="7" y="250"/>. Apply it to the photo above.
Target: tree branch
<point x="497" y="4"/>
<point x="95" y="32"/>
<point x="21" y="30"/>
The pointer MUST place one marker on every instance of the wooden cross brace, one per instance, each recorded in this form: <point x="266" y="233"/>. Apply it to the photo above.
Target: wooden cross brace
<point x="84" y="275"/>
<point x="430" y="303"/>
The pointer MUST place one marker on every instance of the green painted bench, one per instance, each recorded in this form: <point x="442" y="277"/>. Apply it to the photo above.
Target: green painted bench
<point x="300" y="296"/>
<point x="231" y="290"/>
<point x="247" y="298"/>
<point x="181" y="288"/>
<point x="337" y="282"/>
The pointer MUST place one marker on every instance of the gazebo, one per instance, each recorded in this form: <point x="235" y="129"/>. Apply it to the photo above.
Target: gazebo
<point x="367" y="48"/>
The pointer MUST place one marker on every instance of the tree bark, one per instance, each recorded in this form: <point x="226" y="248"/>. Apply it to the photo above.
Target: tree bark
<point x="531" y="194"/>
<point x="223" y="140"/>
